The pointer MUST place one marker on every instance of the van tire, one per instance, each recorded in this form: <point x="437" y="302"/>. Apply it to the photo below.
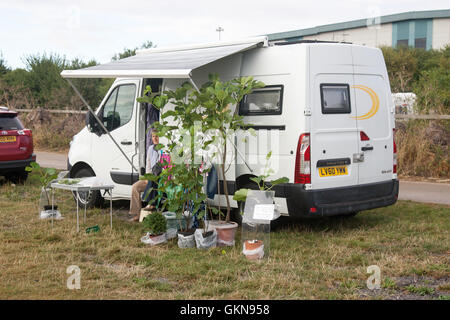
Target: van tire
<point x="237" y="216"/>
<point x="94" y="197"/>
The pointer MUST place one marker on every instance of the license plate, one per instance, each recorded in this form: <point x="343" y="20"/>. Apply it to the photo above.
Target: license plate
<point x="8" y="139"/>
<point x="333" y="171"/>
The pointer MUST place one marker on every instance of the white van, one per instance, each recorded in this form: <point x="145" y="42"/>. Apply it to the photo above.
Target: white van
<point x="326" y="114"/>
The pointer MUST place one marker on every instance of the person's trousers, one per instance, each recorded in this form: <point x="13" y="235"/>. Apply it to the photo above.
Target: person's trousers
<point x="136" y="190"/>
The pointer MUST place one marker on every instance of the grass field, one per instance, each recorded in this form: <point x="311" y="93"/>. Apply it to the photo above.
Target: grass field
<point x="309" y="259"/>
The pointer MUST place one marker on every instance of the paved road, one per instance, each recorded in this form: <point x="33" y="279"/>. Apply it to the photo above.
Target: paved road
<point x="425" y="192"/>
<point x="415" y="191"/>
<point x="51" y="159"/>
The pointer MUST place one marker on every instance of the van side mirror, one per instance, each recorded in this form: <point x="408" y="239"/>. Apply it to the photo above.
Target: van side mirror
<point x="92" y="124"/>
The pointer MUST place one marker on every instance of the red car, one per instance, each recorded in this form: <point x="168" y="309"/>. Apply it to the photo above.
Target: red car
<point x="16" y="146"/>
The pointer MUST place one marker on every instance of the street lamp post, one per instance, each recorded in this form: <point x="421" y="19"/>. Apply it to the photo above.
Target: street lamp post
<point x="219" y="30"/>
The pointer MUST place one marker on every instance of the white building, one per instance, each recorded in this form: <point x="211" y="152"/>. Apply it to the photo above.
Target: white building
<point x="418" y="29"/>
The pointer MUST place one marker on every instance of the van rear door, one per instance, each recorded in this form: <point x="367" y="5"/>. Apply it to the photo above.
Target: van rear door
<point x="333" y="133"/>
<point x="374" y="108"/>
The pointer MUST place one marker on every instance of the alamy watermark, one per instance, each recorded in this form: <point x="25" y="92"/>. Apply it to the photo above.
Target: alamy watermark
<point x="74" y="280"/>
<point x="374" y="281"/>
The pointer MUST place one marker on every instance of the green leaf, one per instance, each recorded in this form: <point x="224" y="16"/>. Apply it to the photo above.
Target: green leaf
<point x="256" y="179"/>
<point x="240" y="195"/>
<point x="252" y="131"/>
<point x="279" y="181"/>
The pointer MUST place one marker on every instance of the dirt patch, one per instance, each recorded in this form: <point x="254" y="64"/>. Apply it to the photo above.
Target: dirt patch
<point x="410" y="288"/>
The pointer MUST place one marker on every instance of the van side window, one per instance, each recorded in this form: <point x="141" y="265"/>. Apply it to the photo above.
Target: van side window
<point x="118" y="109"/>
<point x="263" y="101"/>
<point x="335" y="98"/>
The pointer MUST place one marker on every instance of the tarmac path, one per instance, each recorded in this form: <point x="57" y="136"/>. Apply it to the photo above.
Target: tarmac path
<point x="51" y="159"/>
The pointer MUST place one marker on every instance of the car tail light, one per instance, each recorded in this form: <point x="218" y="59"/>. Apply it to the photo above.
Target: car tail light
<point x="364" y="136"/>
<point x="25" y="132"/>
<point x="394" y="169"/>
<point x="303" y="160"/>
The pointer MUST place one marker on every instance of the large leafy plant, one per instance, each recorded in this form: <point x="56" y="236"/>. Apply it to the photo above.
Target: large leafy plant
<point x="46" y="175"/>
<point x="201" y="122"/>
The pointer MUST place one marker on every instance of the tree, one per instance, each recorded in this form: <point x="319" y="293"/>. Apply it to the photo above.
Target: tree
<point x="44" y="75"/>
<point x="3" y="67"/>
<point x="401" y="64"/>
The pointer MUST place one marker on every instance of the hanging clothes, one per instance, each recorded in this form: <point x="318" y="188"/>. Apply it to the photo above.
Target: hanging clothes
<point x="152" y="116"/>
<point x="211" y="183"/>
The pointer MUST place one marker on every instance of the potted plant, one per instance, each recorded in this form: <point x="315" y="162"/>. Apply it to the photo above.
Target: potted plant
<point x="156" y="227"/>
<point x="46" y="176"/>
<point x="199" y="118"/>
<point x="253" y="249"/>
<point x="254" y="230"/>
<point x="264" y="185"/>
<point x="219" y="117"/>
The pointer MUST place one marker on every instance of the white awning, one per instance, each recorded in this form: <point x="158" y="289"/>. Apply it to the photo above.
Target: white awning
<point x="165" y="63"/>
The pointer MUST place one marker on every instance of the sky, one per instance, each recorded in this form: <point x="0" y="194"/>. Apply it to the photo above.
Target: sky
<point x="97" y="29"/>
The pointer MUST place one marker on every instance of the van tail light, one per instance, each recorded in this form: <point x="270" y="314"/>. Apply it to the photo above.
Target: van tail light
<point x="364" y="136"/>
<point x="303" y="160"/>
<point x="394" y="169"/>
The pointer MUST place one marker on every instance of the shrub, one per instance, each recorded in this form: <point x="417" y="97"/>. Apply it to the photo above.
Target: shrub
<point x="155" y="223"/>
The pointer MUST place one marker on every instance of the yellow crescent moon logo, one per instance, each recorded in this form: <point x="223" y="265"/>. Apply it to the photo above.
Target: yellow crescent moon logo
<point x="375" y="103"/>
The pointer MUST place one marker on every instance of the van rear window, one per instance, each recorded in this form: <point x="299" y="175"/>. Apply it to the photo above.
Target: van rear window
<point x="335" y="98"/>
<point x="263" y="101"/>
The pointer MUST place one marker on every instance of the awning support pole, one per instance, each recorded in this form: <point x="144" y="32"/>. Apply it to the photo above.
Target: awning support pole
<point x="234" y="145"/>
<point x="101" y="124"/>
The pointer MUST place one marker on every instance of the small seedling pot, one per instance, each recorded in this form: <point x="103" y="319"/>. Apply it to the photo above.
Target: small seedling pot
<point x="253" y="249"/>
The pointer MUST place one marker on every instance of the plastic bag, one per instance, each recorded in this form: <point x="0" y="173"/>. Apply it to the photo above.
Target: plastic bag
<point x="223" y="243"/>
<point x="186" y="241"/>
<point x="208" y="242"/>
<point x="48" y="214"/>
<point x="171" y="233"/>
<point x="153" y="240"/>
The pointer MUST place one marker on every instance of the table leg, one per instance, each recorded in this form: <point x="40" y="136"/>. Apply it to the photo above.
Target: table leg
<point x="110" y="206"/>
<point x="85" y="211"/>
<point x="78" y="224"/>
<point x="52" y="206"/>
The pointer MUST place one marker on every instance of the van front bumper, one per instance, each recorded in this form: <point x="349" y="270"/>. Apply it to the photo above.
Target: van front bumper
<point x="337" y="201"/>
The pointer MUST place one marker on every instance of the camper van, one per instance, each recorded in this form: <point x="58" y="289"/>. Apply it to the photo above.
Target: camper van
<point x="325" y="113"/>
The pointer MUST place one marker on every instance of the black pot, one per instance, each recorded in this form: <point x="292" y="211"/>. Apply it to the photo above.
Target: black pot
<point x="50" y="208"/>
<point x="186" y="233"/>
<point x="207" y="234"/>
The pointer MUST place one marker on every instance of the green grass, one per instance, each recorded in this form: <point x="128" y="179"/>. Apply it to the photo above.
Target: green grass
<point x="309" y="259"/>
<point x="422" y="290"/>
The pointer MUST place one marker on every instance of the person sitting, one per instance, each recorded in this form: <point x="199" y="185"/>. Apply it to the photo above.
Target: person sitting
<point x="140" y="186"/>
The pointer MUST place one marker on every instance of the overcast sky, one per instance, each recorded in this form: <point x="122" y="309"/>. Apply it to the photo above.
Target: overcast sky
<point x="98" y="28"/>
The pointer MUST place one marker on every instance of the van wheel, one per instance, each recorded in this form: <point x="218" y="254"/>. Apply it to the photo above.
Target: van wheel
<point x="236" y="214"/>
<point x="91" y="198"/>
